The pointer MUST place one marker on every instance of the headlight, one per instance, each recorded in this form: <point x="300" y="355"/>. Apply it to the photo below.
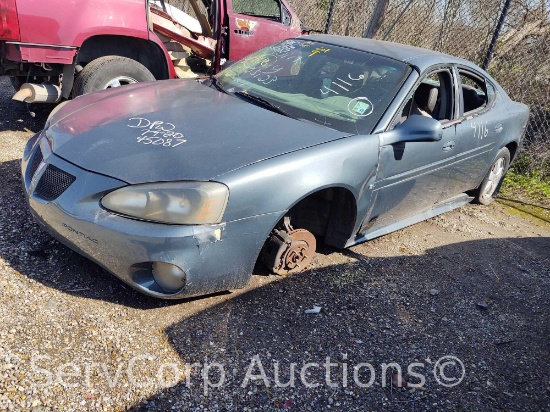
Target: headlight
<point x="185" y="203"/>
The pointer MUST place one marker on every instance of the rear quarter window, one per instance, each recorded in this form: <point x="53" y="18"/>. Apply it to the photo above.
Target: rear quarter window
<point x="477" y="92"/>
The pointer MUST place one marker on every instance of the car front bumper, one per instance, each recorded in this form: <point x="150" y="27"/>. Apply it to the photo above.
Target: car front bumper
<point x="213" y="257"/>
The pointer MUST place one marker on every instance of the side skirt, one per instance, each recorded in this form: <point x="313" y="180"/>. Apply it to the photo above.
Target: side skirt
<point x="437" y="209"/>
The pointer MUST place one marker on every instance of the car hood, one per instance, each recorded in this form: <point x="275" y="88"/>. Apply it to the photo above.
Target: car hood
<point x="102" y="132"/>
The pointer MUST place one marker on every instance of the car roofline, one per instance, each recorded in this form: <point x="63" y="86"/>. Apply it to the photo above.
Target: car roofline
<point x="417" y="57"/>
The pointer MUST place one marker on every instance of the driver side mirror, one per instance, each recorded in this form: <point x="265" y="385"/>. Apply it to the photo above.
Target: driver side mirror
<point x="416" y="128"/>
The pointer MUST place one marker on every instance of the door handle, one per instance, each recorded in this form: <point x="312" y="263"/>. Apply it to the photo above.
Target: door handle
<point x="448" y="146"/>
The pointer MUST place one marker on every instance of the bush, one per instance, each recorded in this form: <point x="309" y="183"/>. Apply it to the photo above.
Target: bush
<point x="533" y="161"/>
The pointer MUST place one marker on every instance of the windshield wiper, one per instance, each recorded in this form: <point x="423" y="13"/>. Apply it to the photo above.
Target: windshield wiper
<point x="217" y="84"/>
<point x="259" y="101"/>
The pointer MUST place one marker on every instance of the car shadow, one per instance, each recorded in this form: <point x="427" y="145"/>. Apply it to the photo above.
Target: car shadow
<point x="466" y="300"/>
<point x="521" y="202"/>
<point x="528" y="209"/>
<point x="484" y="301"/>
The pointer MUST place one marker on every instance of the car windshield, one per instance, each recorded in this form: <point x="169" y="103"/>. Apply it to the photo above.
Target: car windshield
<point x="344" y="89"/>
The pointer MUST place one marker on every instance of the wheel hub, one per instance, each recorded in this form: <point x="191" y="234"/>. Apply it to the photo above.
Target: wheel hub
<point x="496" y="173"/>
<point x="288" y="252"/>
<point x="120" y="81"/>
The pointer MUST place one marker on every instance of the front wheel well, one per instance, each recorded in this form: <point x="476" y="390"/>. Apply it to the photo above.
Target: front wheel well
<point x="143" y="51"/>
<point x="329" y="214"/>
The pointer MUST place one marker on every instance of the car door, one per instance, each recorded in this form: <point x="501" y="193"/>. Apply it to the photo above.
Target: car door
<point x="411" y="176"/>
<point x="254" y="24"/>
<point x="477" y="131"/>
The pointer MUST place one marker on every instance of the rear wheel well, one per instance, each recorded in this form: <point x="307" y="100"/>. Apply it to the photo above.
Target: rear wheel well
<point x="329" y="214"/>
<point x="512" y="148"/>
<point x="143" y="51"/>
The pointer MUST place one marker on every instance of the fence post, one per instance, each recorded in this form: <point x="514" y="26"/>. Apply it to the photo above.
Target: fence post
<point x="496" y="35"/>
<point x="329" y="17"/>
<point x="387" y="33"/>
<point x="377" y="19"/>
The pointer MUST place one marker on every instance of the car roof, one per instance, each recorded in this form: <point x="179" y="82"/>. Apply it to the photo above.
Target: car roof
<point x="415" y="56"/>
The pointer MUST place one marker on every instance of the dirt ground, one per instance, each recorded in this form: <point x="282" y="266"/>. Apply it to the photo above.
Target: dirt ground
<point x="459" y="303"/>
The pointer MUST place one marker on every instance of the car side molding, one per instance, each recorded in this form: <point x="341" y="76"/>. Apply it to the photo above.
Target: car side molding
<point x="438" y="209"/>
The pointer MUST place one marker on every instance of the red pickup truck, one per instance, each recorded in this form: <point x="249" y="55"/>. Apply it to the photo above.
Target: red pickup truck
<point x="60" y="49"/>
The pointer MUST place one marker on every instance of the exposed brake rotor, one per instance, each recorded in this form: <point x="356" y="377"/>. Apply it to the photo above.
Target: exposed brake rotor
<point x="289" y="250"/>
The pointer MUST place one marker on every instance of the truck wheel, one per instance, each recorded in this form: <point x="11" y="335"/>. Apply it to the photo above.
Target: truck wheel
<point x="486" y="192"/>
<point x="110" y="71"/>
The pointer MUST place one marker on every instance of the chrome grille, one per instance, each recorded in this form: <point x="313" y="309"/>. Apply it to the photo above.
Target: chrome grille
<point x="53" y="183"/>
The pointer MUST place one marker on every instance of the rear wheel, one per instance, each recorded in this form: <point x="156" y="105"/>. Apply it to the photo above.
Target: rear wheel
<point x="485" y="194"/>
<point x="108" y="72"/>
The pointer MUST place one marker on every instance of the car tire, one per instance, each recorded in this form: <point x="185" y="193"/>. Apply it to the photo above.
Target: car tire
<point x="110" y="71"/>
<point x="486" y="192"/>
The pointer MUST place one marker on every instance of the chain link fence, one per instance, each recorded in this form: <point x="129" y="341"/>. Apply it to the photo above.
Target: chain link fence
<point x="511" y="38"/>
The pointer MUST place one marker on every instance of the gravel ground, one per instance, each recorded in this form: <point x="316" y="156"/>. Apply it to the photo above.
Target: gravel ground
<point x="472" y="284"/>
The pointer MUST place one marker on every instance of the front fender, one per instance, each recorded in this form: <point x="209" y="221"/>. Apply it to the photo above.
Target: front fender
<point x="275" y="185"/>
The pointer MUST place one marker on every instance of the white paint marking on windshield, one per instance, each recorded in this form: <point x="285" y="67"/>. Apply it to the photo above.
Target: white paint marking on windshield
<point x="329" y="90"/>
<point x="340" y="86"/>
<point x="343" y="81"/>
<point x="361" y="77"/>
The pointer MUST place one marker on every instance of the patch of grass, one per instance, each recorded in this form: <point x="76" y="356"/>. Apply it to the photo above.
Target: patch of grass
<point x="526" y="210"/>
<point x="527" y="188"/>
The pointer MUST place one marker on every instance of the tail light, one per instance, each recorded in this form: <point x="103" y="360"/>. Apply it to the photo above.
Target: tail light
<point x="9" y="25"/>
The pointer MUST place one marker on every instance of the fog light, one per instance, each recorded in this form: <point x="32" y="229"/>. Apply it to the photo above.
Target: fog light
<point x="169" y="277"/>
